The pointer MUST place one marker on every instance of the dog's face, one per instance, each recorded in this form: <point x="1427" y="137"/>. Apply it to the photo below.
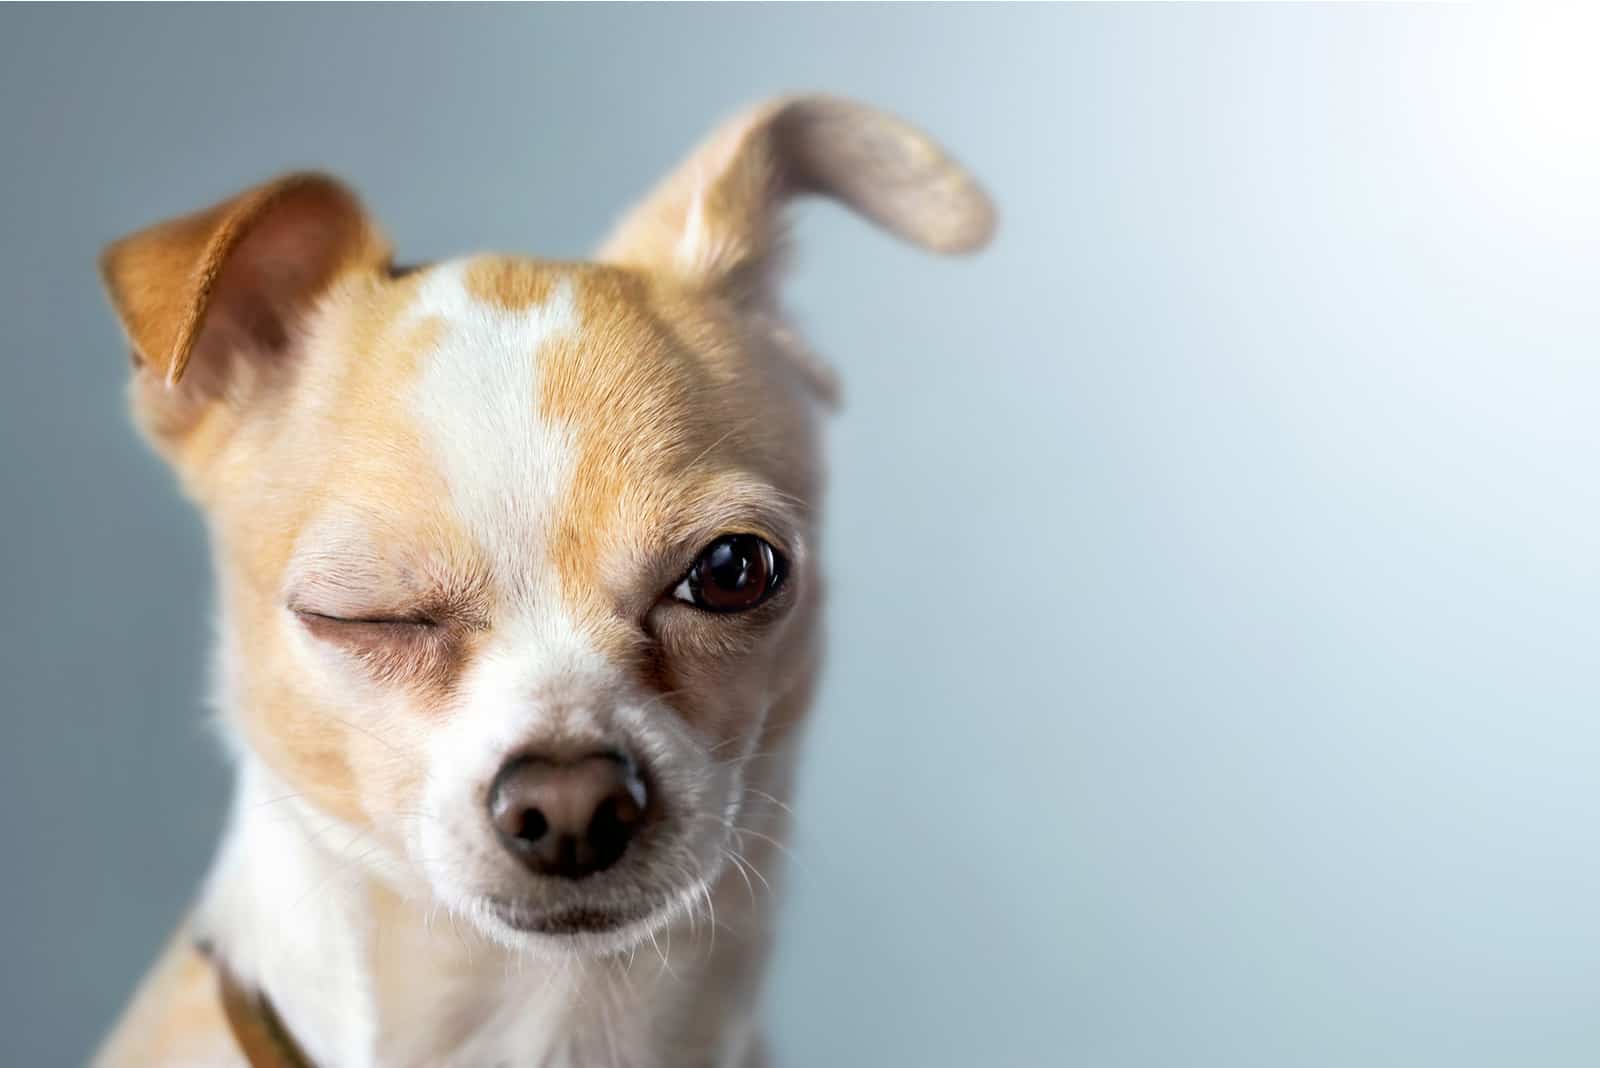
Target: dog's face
<point x="518" y="558"/>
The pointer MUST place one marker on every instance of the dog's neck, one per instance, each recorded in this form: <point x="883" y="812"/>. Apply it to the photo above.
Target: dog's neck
<point x="364" y="975"/>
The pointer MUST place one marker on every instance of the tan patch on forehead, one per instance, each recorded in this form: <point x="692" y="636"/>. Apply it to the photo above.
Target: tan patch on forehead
<point x="337" y="434"/>
<point x="666" y="402"/>
<point x="684" y="428"/>
<point x="512" y="285"/>
<point x="634" y="395"/>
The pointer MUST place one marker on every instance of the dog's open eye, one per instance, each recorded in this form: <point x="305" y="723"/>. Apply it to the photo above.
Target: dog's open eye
<point x="735" y="573"/>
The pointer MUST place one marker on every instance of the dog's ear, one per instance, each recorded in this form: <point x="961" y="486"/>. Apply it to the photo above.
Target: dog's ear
<point x="717" y="220"/>
<point x="215" y="298"/>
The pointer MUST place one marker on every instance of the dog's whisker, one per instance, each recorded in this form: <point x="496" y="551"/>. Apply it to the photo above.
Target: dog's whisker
<point x="361" y="728"/>
<point x="762" y="795"/>
<point x="665" y="966"/>
<point x="711" y="912"/>
<point x="745" y="862"/>
<point x="780" y="846"/>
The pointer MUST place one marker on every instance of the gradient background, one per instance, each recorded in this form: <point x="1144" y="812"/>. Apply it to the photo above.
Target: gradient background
<point x="1216" y="560"/>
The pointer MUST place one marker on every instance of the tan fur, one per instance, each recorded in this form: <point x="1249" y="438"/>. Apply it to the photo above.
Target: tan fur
<point x="163" y="280"/>
<point x="275" y="359"/>
<point x="175" y="1016"/>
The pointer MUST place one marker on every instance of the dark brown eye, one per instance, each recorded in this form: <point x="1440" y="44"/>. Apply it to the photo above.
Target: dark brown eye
<point x="734" y="574"/>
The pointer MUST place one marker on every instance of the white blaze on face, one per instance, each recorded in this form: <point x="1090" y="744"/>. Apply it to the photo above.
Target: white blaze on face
<point x="507" y="469"/>
<point x="478" y="404"/>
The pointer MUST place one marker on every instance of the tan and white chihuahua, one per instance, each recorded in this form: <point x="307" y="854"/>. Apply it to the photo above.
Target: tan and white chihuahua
<point x="518" y="575"/>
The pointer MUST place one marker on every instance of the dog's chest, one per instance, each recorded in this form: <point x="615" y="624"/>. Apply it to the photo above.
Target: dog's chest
<point x="469" y="1008"/>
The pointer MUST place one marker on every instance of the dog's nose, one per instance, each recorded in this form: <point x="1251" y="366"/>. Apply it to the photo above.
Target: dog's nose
<point x="567" y="818"/>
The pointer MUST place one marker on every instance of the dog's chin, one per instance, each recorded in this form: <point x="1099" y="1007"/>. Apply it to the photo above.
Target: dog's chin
<point x="570" y="930"/>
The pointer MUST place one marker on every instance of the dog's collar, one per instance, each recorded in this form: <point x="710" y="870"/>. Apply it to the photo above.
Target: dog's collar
<point x="257" y="1029"/>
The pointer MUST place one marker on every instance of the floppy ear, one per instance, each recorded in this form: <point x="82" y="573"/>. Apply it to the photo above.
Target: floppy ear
<point x="206" y="298"/>
<point x="717" y="220"/>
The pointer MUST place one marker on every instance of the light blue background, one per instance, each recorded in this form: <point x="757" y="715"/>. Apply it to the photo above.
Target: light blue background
<point x="1215" y="584"/>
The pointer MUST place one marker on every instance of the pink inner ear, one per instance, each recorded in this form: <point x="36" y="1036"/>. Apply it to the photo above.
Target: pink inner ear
<point x="274" y="274"/>
<point x="270" y="276"/>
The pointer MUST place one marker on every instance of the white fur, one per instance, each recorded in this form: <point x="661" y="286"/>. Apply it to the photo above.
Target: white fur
<point x="293" y="916"/>
<point x="478" y="404"/>
<point x="290" y="896"/>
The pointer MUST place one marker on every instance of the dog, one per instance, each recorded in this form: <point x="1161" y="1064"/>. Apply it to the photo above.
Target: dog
<point x="519" y="586"/>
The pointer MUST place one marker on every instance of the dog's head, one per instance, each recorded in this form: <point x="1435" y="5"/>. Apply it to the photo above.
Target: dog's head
<point x="517" y="559"/>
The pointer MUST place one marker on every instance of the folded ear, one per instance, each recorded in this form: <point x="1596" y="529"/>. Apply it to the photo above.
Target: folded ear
<point x="201" y="294"/>
<point x="717" y="220"/>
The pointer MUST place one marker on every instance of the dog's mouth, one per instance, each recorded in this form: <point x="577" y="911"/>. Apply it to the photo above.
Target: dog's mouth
<point x="561" y="921"/>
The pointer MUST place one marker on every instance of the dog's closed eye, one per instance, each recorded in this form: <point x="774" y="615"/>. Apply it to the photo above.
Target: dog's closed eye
<point x="365" y="631"/>
<point x="400" y="646"/>
<point x="373" y="619"/>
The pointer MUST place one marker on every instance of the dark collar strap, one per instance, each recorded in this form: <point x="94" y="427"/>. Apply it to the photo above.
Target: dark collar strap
<point x="257" y="1028"/>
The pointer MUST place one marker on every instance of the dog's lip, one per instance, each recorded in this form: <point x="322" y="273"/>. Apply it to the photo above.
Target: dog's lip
<point x="569" y="920"/>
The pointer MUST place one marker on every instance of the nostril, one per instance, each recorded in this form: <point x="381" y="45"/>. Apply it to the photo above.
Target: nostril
<point x="533" y="826"/>
<point x="612" y="826"/>
<point x="568" y="818"/>
<point x="607" y="817"/>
